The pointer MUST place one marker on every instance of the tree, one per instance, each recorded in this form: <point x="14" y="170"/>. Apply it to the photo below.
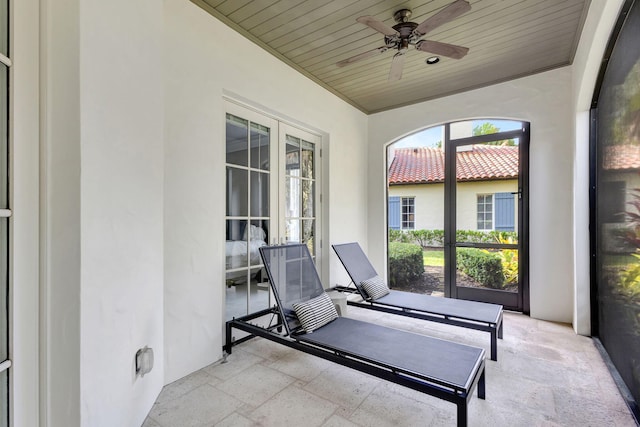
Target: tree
<point x="487" y="128"/>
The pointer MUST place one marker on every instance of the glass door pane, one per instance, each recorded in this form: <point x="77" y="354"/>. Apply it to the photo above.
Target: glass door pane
<point x="250" y="204"/>
<point x="300" y="201"/>
<point x="4" y="398"/>
<point x="4" y="289"/>
<point x="4" y="27"/>
<point x="4" y="137"/>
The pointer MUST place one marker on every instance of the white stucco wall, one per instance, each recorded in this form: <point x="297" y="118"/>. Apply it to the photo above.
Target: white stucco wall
<point x="545" y="101"/>
<point x="205" y="61"/>
<point x="429" y="201"/>
<point x="133" y="179"/>
<point x="121" y="194"/>
<point x="102" y="198"/>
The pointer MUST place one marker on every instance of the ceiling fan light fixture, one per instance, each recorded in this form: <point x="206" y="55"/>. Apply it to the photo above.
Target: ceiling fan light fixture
<point x="432" y="60"/>
<point x="402" y="15"/>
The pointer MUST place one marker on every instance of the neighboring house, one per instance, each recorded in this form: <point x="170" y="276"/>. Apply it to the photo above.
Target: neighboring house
<point x="620" y="183"/>
<point x="486" y="191"/>
<point x="621" y="178"/>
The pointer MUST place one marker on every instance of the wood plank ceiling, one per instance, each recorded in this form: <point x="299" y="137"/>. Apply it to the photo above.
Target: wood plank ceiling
<point x="507" y="39"/>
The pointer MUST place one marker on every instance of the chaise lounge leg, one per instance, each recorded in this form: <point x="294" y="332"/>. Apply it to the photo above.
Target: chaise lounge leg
<point x="481" y="386"/>
<point x="228" y="344"/>
<point x="462" y="413"/>
<point x="500" y="330"/>
<point x="494" y="345"/>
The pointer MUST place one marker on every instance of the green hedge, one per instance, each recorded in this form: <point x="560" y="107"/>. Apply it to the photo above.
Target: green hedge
<point x="398" y="236"/>
<point x="435" y="238"/>
<point x="484" y="267"/>
<point x="405" y="263"/>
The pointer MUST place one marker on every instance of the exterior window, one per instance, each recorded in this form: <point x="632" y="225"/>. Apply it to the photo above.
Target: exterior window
<point x="408" y="213"/>
<point x="485" y="212"/>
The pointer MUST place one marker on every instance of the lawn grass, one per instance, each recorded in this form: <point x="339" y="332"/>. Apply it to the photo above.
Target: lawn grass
<point x="433" y="258"/>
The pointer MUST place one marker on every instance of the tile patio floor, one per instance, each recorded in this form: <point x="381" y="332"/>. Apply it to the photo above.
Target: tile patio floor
<point x="545" y="376"/>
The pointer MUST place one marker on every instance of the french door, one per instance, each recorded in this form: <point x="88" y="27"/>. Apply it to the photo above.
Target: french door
<point x="485" y="236"/>
<point x="251" y="203"/>
<point x="272" y="197"/>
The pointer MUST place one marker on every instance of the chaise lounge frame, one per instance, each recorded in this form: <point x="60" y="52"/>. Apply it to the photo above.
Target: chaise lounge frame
<point x="283" y="328"/>
<point x="454" y="312"/>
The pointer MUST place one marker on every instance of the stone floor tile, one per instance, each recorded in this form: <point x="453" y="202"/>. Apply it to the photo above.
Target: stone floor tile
<point x="294" y="407"/>
<point x="202" y="407"/>
<point x="343" y="386"/>
<point x="300" y="365"/>
<point x="185" y="385"/>
<point x="407" y="393"/>
<point x="256" y="385"/>
<point x="383" y="408"/>
<point x="507" y="394"/>
<point x="237" y="362"/>
<point x="574" y="407"/>
<point x="546" y="375"/>
<point x="150" y="423"/>
<point x="236" y="420"/>
<point x="338" y="421"/>
<point x="266" y="349"/>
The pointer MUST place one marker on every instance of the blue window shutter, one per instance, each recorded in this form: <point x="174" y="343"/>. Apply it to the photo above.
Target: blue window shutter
<point x="505" y="212"/>
<point x="394" y="212"/>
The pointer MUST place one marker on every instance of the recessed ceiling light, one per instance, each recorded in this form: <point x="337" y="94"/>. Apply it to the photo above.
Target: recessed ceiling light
<point x="432" y="60"/>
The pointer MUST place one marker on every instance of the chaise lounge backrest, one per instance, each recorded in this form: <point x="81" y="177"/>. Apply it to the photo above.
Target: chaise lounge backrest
<point x="293" y="278"/>
<point x="356" y="263"/>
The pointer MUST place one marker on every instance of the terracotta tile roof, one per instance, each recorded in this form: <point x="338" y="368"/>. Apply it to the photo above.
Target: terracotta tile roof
<point x="621" y="157"/>
<point x="426" y="165"/>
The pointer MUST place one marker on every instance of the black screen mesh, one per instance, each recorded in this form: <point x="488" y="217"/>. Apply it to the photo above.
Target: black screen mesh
<point x="618" y="205"/>
<point x="293" y="278"/>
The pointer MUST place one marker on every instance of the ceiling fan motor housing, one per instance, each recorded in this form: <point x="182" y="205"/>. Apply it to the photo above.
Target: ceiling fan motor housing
<point x="405" y="28"/>
<point x="407" y="37"/>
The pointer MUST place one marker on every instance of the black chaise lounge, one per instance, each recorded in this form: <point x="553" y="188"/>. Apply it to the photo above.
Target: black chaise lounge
<point x="440" y="368"/>
<point x="467" y="314"/>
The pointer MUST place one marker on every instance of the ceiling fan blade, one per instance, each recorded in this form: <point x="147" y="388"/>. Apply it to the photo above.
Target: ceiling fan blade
<point x="443" y="49"/>
<point x="379" y="26"/>
<point x="397" y="64"/>
<point x="450" y="12"/>
<point x="361" y="56"/>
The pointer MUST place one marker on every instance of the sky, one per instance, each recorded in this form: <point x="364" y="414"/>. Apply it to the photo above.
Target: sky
<point x="430" y="137"/>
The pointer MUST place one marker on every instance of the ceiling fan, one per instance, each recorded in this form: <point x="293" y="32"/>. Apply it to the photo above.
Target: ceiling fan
<point x="406" y="33"/>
